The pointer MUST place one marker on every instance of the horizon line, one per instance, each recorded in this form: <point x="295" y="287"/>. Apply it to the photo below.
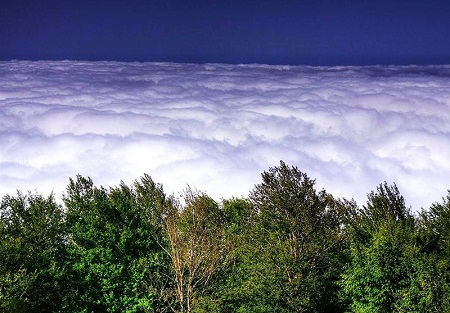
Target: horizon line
<point x="225" y="63"/>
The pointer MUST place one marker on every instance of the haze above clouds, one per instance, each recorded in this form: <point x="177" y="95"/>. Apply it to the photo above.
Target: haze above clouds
<point x="217" y="127"/>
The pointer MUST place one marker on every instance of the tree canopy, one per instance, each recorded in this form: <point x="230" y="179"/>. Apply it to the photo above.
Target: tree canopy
<point x="287" y="247"/>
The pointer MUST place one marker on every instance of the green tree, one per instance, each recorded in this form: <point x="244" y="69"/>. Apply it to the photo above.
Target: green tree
<point x="298" y="237"/>
<point x="435" y="240"/>
<point x="114" y="246"/>
<point x="31" y="253"/>
<point x="154" y="206"/>
<point x="250" y="280"/>
<point x="388" y="271"/>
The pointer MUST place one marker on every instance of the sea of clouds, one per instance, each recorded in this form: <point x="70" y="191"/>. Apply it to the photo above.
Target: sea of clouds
<point x="217" y="127"/>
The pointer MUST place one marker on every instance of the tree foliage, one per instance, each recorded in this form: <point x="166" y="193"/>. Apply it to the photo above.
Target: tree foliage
<point x="31" y="253"/>
<point x="287" y="247"/>
<point x="297" y="227"/>
<point x="114" y="246"/>
<point x="389" y="270"/>
<point x="194" y="232"/>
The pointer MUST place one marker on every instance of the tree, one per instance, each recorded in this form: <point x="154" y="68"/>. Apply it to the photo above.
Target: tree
<point x="194" y="232"/>
<point x="249" y="280"/>
<point x="435" y="239"/>
<point x="153" y="206"/>
<point x="113" y="245"/>
<point x="31" y="253"/>
<point x="300" y="233"/>
<point x="387" y="271"/>
<point x="436" y="222"/>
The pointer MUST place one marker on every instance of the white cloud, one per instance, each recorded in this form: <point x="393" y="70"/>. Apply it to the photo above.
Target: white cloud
<point x="217" y="127"/>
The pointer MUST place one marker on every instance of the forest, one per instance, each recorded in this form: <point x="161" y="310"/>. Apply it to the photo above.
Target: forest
<point x="287" y="247"/>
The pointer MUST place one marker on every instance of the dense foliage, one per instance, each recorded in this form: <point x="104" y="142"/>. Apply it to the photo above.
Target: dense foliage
<point x="285" y="248"/>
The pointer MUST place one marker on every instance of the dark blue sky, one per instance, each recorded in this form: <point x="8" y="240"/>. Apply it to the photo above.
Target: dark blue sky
<point x="316" y="32"/>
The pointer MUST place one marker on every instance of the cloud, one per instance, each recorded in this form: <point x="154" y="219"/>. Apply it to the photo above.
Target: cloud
<point x="217" y="127"/>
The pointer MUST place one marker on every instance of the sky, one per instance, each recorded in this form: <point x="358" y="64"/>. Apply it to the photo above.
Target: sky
<point x="308" y="32"/>
<point x="213" y="93"/>
<point x="217" y="127"/>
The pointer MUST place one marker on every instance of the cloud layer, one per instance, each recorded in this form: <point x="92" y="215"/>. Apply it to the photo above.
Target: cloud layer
<point x="217" y="127"/>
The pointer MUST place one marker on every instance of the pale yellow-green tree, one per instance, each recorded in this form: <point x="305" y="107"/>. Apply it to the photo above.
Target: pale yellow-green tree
<point x="194" y="231"/>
